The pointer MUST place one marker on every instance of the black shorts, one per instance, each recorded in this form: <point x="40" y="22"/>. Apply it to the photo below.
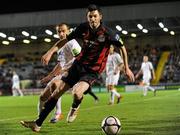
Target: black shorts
<point x="78" y="72"/>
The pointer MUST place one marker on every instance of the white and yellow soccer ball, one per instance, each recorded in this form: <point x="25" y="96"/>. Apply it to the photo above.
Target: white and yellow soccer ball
<point x="111" y="125"/>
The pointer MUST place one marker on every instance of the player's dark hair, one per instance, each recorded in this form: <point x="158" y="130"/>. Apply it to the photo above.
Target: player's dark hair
<point x="93" y="7"/>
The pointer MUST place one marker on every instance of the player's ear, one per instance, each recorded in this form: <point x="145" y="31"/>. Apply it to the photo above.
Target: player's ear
<point x="100" y="15"/>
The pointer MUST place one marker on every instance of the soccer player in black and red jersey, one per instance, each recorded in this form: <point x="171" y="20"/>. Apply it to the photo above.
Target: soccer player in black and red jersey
<point x="97" y="39"/>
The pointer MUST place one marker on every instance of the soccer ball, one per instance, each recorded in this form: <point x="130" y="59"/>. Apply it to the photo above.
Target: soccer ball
<point x="111" y="125"/>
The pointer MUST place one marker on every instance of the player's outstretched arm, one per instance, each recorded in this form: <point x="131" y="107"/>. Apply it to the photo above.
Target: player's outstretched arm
<point x="137" y="75"/>
<point x="153" y="74"/>
<point x="47" y="56"/>
<point x="128" y="72"/>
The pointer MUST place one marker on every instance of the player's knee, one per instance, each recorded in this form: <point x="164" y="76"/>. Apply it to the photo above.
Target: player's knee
<point x="53" y="86"/>
<point x="77" y="95"/>
<point x="56" y="84"/>
<point x="58" y="92"/>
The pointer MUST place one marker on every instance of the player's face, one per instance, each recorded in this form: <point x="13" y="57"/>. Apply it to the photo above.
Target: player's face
<point x="111" y="49"/>
<point x="94" y="19"/>
<point x="62" y="31"/>
<point x="145" y="58"/>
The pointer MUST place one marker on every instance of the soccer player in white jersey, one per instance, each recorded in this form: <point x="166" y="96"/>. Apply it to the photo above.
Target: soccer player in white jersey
<point x="113" y="66"/>
<point x="65" y="58"/>
<point x="16" y="85"/>
<point x="147" y="71"/>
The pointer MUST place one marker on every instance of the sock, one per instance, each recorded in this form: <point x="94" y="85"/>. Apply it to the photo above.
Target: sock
<point x="115" y="93"/>
<point x="76" y="102"/>
<point x="93" y="95"/>
<point x="151" y="88"/>
<point x="48" y="107"/>
<point x="112" y="97"/>
<point x="145" y="90"/>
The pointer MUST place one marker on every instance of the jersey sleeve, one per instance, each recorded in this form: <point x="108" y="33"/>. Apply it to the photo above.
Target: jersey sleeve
<point x="151" y="66"/>
<point x="115" y="39"/>
<point x="76" y="33"/>
<point x="119" y="59"/>
<point x="74" y="47"/>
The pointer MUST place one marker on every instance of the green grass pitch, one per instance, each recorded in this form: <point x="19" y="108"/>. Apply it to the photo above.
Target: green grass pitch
<point x="139" y="115"/>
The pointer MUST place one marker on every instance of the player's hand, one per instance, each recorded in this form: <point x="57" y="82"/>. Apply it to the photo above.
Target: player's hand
<point x="130" y="75"/>
<point x="46" y="58"/>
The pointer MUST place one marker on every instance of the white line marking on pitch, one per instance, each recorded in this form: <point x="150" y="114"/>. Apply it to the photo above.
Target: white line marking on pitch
<point x="85" y="109"/>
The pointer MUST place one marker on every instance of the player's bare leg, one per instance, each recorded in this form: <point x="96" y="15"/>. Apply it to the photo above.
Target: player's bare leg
<point x="78" y="91"/>
<point x="47" y="93"/>
<point x="48" y="107"/>
<point x="58" y="113"/>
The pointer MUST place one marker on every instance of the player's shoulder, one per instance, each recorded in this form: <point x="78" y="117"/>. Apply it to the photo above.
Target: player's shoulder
<point x="83" y="25"/>
<point x="143" y="63"/>
<point x="108" y="29"/>
<point x="111" y="33"/>
<point x="116" y="54"/>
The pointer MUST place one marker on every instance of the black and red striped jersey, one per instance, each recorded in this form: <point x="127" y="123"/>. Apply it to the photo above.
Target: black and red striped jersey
<point x="95" y="45"/>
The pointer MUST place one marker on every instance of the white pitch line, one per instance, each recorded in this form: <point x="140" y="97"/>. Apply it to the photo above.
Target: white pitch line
<point x="90" y="108"/>
<point x="15" y="118"/>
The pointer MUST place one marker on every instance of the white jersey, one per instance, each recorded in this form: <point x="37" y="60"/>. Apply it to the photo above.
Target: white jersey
<point x="15" y="81"/>
<point x="67" y="52"/>
<point x="146" y="68"/>
<point x="66" y="55"/>
<point x="113" y="61"/>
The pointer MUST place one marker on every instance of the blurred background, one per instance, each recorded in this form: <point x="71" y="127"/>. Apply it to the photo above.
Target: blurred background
<point x="27" y="31"/>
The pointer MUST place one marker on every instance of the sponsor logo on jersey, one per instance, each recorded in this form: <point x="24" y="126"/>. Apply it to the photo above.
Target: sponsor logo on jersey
<point x="101" y="38"/>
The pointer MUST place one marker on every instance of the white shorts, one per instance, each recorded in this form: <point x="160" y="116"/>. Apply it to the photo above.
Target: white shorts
<point x="146" y="81"/>
<point x="16" y="86"/>
<point x="112" y="79"/>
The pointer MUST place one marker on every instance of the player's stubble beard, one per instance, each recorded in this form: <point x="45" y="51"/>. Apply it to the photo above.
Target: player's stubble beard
<point x="94" y="25"/>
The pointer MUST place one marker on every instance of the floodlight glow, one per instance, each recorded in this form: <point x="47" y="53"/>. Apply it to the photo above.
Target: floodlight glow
<point x="161" y="25"/>
<point x="56" y="36"/>
<point x="11" y="38"/>
<point x="140" y="26"/>
<point x="2" y="35"/>
<point x="165" y="29"/>
<point x="25" y="33"/>
<point x="133" y="35"/>
<point x="124" y="32"/>
<point x="145" y="30"/>
<point x="118" y="28"/>
<point x="33" y="37"/>
<point x="48" y="32"/>
<point x="47" y="40"/>
<point x="26" y="41"/>
<point x="172" y="33"/>
<point x="5" y="42"/>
